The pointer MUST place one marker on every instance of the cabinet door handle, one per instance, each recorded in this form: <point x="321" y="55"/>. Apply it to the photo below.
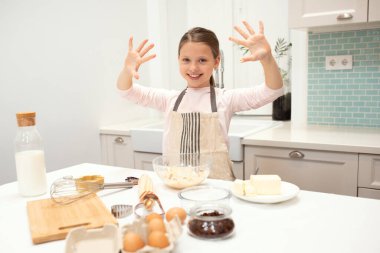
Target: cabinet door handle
<point x="119" y="140"/>
<point x="344" y="16"/>
<point x="296" y="155"/>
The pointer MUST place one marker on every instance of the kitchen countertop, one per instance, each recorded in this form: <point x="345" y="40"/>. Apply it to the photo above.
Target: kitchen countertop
<point x="328" y="138"/>
<point x="125" y="127"/>
<point x="311" y="222"/>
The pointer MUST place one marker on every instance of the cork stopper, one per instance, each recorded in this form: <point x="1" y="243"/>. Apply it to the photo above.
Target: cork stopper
<point x="26" y="119"/>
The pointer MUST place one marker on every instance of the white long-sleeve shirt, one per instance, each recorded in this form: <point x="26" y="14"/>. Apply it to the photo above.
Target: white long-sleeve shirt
<point x="198" y="100"/>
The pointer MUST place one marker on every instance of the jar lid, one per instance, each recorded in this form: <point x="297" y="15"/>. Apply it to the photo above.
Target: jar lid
<point x="210" y="211"/>
<point x="26" y="119"/>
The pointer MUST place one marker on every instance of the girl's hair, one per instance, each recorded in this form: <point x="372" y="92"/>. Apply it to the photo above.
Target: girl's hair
<point x="203" y="35"/>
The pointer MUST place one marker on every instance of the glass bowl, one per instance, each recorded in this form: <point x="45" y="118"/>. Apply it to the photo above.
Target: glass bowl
<point x="203" y="194"/>
<point x="211" y="221"/>
<point x="182" y="170"/>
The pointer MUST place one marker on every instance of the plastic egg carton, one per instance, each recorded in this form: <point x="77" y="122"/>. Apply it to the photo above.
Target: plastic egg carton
<point x="140" y="227"/>
<point x="109" y="239"/>
<point x="105" y="240"/>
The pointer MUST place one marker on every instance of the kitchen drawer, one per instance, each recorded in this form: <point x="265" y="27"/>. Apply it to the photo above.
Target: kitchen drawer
<point x="369" y="171"/>
<point x="313" y="170"/>
<point x="368" y="193"/>
<point x="143" y="160"/>
<point x="117" y="150"/>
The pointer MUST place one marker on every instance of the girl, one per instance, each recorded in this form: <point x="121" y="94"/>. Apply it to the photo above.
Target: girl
<point x="197" y="119"/>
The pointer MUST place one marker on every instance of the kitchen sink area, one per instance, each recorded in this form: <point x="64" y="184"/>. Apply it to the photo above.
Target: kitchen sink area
<point x="149" y="138"/>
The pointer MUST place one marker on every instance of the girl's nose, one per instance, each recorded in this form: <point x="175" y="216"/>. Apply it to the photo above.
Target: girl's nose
<point x="193" y="66"/>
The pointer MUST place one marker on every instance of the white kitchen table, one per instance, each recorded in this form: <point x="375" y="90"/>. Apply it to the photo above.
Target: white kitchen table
<point x="311" y="222"/>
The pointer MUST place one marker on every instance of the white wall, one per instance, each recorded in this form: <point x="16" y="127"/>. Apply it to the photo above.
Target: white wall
<point x="299" y="77"/>
<point x="218" y="17"/>
<point x="274" y="14"/>
<point x="170" y="19"/>
<point x="176" y="27"/>
<point x="61" y="59"/>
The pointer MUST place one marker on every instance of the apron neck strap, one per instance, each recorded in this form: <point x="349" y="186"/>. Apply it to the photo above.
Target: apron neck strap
<point x="179" y="99"/>
<point x="212" y="99"/>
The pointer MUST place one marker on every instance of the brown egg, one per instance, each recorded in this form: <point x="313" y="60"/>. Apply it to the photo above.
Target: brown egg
<point x="152" y="216"/>
<point x="156" y="224"/>
<point x="158" y="239"/>
<point x="132" y="242"/>
<point x="176" y="211"/>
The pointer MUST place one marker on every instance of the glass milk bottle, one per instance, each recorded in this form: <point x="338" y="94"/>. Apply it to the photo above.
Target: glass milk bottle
<point x="29" y="156"/>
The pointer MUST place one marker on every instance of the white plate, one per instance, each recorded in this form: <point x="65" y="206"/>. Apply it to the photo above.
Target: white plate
<point x="288" y="191"/>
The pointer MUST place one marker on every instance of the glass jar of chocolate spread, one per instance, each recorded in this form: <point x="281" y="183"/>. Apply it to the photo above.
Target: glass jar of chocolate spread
<point x="211" y="221"/>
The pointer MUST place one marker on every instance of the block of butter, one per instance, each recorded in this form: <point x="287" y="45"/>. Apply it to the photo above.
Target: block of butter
<point x="258" y="185"/>
<point x="266" y="184"/>
<point x="238" y="186"/>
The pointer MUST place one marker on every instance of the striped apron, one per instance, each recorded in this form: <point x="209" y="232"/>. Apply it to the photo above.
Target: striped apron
<point x="197" y="132"/>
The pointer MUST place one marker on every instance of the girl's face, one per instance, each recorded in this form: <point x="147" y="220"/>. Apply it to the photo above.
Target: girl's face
<point x="196" y="64"/>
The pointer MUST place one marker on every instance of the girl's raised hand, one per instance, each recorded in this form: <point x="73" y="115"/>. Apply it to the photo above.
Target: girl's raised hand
<point x="255" y="42"/>
<point x="136" y="57"/>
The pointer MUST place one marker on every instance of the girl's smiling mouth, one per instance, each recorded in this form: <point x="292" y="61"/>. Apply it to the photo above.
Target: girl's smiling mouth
<point x="194" y="77"/>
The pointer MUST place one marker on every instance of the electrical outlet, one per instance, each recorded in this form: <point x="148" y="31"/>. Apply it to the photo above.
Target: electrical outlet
<point x="338" y="62"/>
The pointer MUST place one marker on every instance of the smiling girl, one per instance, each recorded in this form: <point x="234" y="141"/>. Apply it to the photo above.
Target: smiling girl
<point x="197" y="119"/>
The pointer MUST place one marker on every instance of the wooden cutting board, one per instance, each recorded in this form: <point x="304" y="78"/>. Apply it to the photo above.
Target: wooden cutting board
<point x="49" y="221"/>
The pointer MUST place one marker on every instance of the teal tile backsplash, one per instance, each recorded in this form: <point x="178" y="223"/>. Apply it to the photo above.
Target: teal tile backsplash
<point x="344" y="97"/>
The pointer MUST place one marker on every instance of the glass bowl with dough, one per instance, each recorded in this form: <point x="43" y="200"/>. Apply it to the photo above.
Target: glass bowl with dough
<point x="182" y="170"/>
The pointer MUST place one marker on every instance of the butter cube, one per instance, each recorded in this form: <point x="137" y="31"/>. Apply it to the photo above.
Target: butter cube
<point x="266" y="184"/>
<point x="250" y="190"/>
<point x="238" y="187"/>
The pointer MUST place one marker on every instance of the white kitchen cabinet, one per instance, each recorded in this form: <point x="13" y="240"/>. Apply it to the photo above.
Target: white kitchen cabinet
<point x="369" y="176"/>
<point x="322" y="171"/>
<point x="143" y="160"/>
<point x="368" y="193"/>
<point x="117" y="150"/>
<point x="311" y="13"/>
<point x="373" y="10"/>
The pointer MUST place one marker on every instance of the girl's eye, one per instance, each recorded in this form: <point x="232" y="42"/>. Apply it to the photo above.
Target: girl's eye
<point x="185" y="60"/>
<point x="202" y="60"/>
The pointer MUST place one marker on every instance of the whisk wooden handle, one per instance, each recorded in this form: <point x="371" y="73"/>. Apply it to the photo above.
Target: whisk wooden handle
<point x="146" y="195"/>
<point x="145" y="184"/>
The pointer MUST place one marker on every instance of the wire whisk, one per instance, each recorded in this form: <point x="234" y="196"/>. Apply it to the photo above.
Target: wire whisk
<point x="67" y="190"/>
